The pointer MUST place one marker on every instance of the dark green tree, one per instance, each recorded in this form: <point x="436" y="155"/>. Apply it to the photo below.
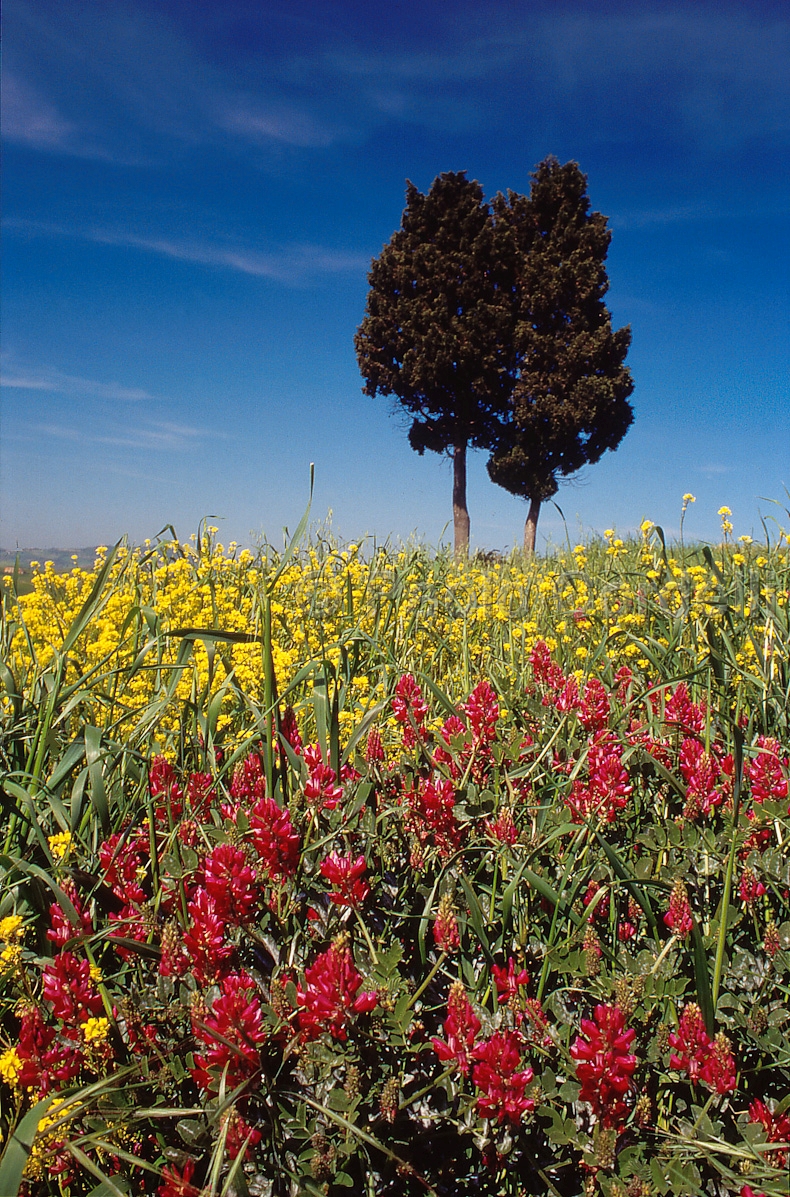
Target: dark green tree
<point x="569" y="401"/>
<point x="437" y="331"/>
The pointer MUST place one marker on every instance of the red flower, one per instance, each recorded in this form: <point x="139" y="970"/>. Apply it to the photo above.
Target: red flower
<point x="231" y="1031"/>
<point x="750" y="887"/>
<point x="703" y="1058"/>
<point x="594" y="710"/>
<point x="604" y="1064"/>
<point x="502" y="829"/>
<point x="776" y="1127"/>
<point x="346" y="874"/>
<point x="496" y="1073"/>
<point x="289" y="730"/>
<point x="204" y="939"/>
<point x="568" y="697"/>
<point x="177" y="1182"/>
<point x="719" y="1070"/>
<point x="239" y="1133"/>
<point x="374" y="750"/>
<point x="48" y="1059"/>
<point x="163" y="784"/>
<point x="609" y="786"/>
<point x="687" y="716"/>
<point x="408" y="704"/>
<point x="678" y="917"/>
<point x="62" y="929"/>
<point x="482" y="711"/>
<point x="767" y="773"/>
<point x="546" y="671"/>
<point x="622" y="680"/>
<point x="123" y="860"/>
<point x="232" y="884"/>
<point x="199" y="793"/>
<point x="702" y="772"/>
<point x="248" y="779"/>
<point x="320" y="788"/>
<point x="508" y="981"/>
<point x="432" y="814"/>
<point x="460" y="1029"/>
<point x="68" y="986"/>
<point x="601" y="908"/>
<point x="330" y="995"/>
<point x="274" y="839"/>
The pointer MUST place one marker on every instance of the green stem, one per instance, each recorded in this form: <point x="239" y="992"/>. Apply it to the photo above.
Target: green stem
<point x="415" y="997"/>
<point x="544" y="973"/>
<point x="718" y="967"/>
<point x="366" y="933"/>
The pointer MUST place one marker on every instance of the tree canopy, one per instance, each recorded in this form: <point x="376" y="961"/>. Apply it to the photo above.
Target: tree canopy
<point x="488" y="324"/>
<point x="437" y="331"/>
<point x="569" y="402"/>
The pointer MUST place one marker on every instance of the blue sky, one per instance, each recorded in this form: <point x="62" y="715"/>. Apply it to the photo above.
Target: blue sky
<point x="194" y="192"/>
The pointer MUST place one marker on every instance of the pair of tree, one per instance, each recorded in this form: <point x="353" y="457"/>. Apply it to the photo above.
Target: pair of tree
<point x="488" y="324"/>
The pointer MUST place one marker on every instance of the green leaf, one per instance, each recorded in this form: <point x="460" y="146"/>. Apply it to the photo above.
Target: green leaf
<point x="19" y="1146"/>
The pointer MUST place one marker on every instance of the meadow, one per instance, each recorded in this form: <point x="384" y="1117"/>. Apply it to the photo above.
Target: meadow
<point x="359" y="867"/>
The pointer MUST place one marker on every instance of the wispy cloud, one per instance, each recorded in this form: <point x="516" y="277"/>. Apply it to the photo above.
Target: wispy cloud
<point x="291" y="264"/>
<point x="714" y="469"/>
<point x="258" y="121"/>
<point x="57" y="383"/>
<point x="29" y="119"/>
<point x="155" y="436"/>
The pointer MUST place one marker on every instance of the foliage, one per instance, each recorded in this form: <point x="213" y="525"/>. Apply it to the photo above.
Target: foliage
<point x="570" y="398"/>
<point x="396" y="873"/>
<point x="436" y="331"/>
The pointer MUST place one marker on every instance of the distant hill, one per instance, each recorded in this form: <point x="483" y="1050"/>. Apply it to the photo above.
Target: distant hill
<point x="61" y="559"/>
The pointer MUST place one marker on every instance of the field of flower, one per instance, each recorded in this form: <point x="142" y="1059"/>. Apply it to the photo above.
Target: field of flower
<point x="372" y="869"/>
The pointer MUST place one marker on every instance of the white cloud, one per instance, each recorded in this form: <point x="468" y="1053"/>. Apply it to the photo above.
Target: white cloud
<point x="291" y="264"/>
<point x="714" y="469"/>
<point x="254" y="120"/>
<point x="29" y="119"/>
<point x="156" y="436"/>
<point x="69" y="384"/>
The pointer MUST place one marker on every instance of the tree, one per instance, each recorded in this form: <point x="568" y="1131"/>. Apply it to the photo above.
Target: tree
<point x="569" y="400"/>
<point x="437" y="329"/>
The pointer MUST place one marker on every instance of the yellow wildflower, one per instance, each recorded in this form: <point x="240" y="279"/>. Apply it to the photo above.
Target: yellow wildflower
<point x="10" y="1066"/>
<point x="59" y="844"/>
<point x="11" y="928"/>
<point x="95" y="1030"/>
<point x="10" y="958"/>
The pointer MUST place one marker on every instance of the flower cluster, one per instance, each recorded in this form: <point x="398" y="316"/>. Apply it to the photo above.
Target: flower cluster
<point x="699" y="1055"/>
<point x="604" y="1063"/>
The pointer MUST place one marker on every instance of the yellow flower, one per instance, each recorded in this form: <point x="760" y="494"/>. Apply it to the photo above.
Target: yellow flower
<point x="59" y="844"/>
<point x="10" y="958"/>
<point x="10" y="1066"/>
<point x="96" y="974"/>
<point x="689" y="498"/>
<point x="95" y="1030"/>
<point x="11" y="928"/>
<point x="646" y="526"/>
<point x="724" y="511"/>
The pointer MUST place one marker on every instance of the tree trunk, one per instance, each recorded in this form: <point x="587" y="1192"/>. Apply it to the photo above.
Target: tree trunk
<point x="460" y="511"/>
<point x="531" y="527"/>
